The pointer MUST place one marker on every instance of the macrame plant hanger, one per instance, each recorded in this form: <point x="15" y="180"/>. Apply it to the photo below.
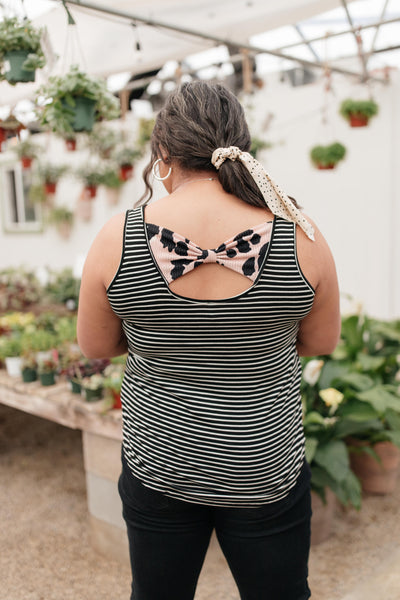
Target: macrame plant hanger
<point x="73" y="53"/>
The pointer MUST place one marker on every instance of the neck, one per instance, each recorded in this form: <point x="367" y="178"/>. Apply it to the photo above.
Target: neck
<point x="196" y="180"/>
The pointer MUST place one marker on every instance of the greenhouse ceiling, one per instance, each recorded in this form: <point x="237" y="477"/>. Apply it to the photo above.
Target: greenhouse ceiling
<point x="134" y="37"/>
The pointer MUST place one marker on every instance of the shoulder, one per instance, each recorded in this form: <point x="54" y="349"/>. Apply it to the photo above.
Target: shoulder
<point x="315" y="257"/>
<point x="105" y="253"/>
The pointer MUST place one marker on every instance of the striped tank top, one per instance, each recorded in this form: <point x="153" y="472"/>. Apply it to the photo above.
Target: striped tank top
<point x="211" y="394"/>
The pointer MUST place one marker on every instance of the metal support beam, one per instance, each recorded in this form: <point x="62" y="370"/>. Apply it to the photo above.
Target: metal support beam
<point x="357" y="37"/>
<point x="371" y="51"/>
<point x="328" y="35"/>
<point x="213" y="38"/>
<point x="308" y="44"/>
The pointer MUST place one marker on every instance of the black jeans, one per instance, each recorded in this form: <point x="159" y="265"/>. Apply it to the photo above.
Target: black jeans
<point x="266" y="547"/>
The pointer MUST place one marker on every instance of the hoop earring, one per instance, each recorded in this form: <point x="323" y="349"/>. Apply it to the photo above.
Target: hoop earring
<point x="158" y="176"/>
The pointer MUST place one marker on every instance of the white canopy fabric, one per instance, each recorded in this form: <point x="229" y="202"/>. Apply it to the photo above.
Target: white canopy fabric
<point x="105" y="44"/>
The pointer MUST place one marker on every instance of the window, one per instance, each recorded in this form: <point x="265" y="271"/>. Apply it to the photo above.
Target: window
<point x="20" y="213"/>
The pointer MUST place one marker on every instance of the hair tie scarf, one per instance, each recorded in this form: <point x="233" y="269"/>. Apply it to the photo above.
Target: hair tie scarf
<point x="275" y="198"/>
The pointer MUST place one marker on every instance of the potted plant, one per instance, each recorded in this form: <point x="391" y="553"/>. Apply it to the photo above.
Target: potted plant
<point x="92" y="386"/>
<point x="50" y="174"/>
<point x="327" y="157"/>
<point x="92" y="178"/>
<point x="70" y="142"/>
<point x="365" y="401"/>
<point x="27" y="151"/>
<point x="63" y="219"/>
<point x="10" y="353"/>
<point x="126" y="157"/>
<point x="73" y="102"/>
<point x="358" y="112"/>
<point x="10" y="127"/>
<point x="29" y="366"/>
<point x="112" y="183"/>
<point x="102" y="140"/>
<point x="47" y="370"/>
<point x="20" y="50"/>
<point x="113" y="376"/>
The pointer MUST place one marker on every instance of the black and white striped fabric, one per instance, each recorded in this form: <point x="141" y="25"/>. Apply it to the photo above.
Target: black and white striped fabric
<point x="211" y="403"/>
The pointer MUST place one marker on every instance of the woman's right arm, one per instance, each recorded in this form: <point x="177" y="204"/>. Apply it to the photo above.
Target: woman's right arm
<point x="319" y="331"/>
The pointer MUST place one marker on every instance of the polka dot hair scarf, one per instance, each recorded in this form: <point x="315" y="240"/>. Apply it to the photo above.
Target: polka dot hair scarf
<point x="275" y="198"/>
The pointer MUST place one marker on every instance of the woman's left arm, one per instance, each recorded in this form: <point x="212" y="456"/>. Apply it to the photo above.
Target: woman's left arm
<point x="100" y="333"/>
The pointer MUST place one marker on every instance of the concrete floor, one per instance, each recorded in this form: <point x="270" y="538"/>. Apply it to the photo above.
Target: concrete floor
<point x="45" y="546"/>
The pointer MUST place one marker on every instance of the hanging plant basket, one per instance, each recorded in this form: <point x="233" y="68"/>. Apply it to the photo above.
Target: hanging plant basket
<point x="73" y="102"/>
<point x="20" y="50"/>
<point x="16" y="72"/>
<point x="358" y="120"/>
<point x="126" y="172"/>
<point x="70" y="144"/>
<point x="90" y="191"/>
<point x="358" y="112"/>
<point x="26" y="162"/>
<point x="84" y="114"/>
<point x="327" y="157"/>
<point x="50" y="187"/>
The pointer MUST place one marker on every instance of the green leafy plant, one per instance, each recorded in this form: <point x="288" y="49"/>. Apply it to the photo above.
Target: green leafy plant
<point x="364" y="108"/>
<point x="110" y="178"/>
<point x="19" y="289"/>
<point x="90" y="175"/>
<point x="127" y="156"/>
<point x="327" y="156"/>
<point x="62" y="287"/>
<point x="27" y="149"/>
<point x="10" y="346"/>
<point x="351" y="394"/>
<point x="145" y="130"/>
<point x="59" y="96"/>
<point x="51" y="173"/>
<point x="20" y="36"/>
<point x="61" y="214"/>
<point x="102" y="140"/>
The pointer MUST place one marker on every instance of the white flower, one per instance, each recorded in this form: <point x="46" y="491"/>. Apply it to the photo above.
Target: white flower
<point x="332" y="398"/>
<point x="312" y="371"/>
<point x="397" y="376"/>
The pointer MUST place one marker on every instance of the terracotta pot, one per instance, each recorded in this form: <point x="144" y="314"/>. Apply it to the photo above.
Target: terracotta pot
<point x="376" y="477"/>
<point x="26" y="162"/>
<point x="3" y="136"/>
<point x="84" y="208"/>
<point x="50" y="187"/>
<point x="357" y="120"/>
<point x="117" y="399"/>
<point x="64" y="230"/>
<point x="90" y="191"/>
<point x="126" y="172"/>
<point x="70" y="145"/>
<point x="325" y="167"/>
<point x="112" y="196"/>
<point x="322" y="516"/>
